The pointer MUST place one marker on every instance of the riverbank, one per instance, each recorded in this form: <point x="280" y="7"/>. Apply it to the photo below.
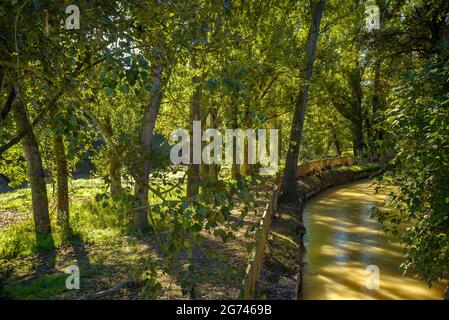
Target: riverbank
<point x="282" y="268"/>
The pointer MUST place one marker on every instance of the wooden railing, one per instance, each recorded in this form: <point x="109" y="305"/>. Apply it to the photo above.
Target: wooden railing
<point x="319" y="165"/>
<point x="248" y="286"/>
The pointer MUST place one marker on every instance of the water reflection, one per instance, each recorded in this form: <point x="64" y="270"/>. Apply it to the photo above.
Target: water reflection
<point x="342" y="241"/>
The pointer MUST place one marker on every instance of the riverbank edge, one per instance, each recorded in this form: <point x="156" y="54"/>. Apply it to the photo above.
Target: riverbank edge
<point x="281" y="274"/>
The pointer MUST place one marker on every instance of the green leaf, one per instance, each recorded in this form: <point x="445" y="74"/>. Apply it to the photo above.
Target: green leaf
<point x="109" y="92"/>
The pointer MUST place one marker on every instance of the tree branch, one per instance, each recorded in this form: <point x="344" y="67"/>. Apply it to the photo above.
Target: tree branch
<point x="8" y="105"/>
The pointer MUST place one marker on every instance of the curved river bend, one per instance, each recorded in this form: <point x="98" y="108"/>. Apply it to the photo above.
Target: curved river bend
<point x="342" y="241"/>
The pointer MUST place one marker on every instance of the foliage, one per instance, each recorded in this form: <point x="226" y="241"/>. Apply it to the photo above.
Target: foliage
<point x="420" y="169"/>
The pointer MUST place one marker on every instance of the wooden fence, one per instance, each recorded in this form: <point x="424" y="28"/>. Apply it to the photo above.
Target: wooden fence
<point x="319" y="165"/>
<point x="254" y="267"/>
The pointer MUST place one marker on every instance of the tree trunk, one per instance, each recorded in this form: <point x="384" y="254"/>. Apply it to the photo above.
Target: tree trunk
<point x="193" y="175"/>
<point x="62" y="176"/>
<point x="140" y="219"/>
<point x="115" y="176"/>
<point x="115" y="166"/>
<point x="235" y="168"/>
<point x="208" y="172"/>
<point x="214" y="169"/>
<point x="246" y="168"/>
<point x="357" y="139"/>
<point x="335" y="140"/>
<point x="355" y="80"/>
<point x="377" y="108"/>
<point x="35" y="171"/>
<point x="8" y="106"/>
<point x="289" y="193"/>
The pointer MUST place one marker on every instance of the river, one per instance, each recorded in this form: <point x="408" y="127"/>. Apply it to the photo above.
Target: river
<point x="342" y="241"/>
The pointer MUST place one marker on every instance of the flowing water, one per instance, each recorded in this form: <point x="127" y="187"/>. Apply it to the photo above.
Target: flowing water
<point x="342" y="241"/>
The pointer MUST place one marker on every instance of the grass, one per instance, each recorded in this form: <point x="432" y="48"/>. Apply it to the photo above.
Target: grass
<point x="92" y="218"/>
<point x="45" y="287"/>
<point x="356" y="168"/>
<point x="97" y="221"/>
<point x="18" y="200"/>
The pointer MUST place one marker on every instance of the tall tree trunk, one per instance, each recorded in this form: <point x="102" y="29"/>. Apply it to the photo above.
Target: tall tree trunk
<point x="115" y="175"/>
<point x="140" y="219"/>
<point x="35" y="170"/>
<point x="235" y="168"/>
<point x="8" y="106"/>
<point x="357" y="139"/>
<point x="335" y="139"/>
<point x="212" y="169"/>
<point x="207" y="170"/>
<point x="62" y="177"/>
<point x="355" y="80"/>
<point x="246" y="168"/>
<point x="193" y="175"/>
<point x="377" y="108"/>
<point x="114" y="161"/>
<point x="289" y="188"/>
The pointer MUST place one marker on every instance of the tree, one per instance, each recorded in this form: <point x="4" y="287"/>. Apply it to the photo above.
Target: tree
<point x="31" y="151"/>
<point x="289" y="187"/>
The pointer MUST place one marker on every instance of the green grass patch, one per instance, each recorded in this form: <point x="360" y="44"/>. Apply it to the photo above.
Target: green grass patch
<point x="356" y="168"/>
<point x="45" y="287"/>
<point x="94" y="217"/>
<point x="18" y="240"/>
<point x="18" y="200"/>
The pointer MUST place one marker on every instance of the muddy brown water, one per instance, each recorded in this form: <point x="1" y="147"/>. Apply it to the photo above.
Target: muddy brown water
<point x="342" y="241"/>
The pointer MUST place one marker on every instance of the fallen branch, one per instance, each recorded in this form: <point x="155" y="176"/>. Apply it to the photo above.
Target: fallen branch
<point x="114" y="289"/>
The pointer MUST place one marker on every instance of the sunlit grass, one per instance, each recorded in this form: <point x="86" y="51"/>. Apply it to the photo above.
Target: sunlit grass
<point x="356" y="168"/>
<point x="18" y="200"/>
<point x="97" y="220"/>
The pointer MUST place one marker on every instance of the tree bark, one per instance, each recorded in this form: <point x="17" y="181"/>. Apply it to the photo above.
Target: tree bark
<point x="235" y="168"/>
<point x="35" y="171"/>
<point x="357" y="139"/>
<point x="140" y="218"/>
<point x="355" y="79"/>
<point x="212" y="172"/>
<point x="377" y="109"/>
<point x="193" y="175"/>
<point x="115" y="176"/>
<point x="114" y="161"/>
<point x="335" y="140"/>
<point x="8" y="106"/>
<point x="62" y="176"/>
<point x="289" y="190"/>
